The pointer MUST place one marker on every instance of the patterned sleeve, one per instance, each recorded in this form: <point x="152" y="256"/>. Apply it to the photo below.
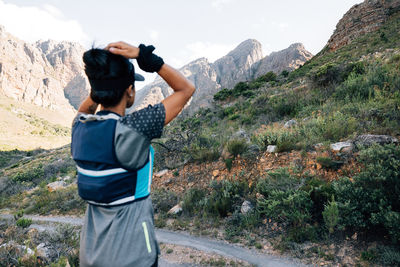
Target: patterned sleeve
<point x="149" y="121"/>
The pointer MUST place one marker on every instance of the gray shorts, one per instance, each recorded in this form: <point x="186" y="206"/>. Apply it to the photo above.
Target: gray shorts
<point x="119" y="236"/>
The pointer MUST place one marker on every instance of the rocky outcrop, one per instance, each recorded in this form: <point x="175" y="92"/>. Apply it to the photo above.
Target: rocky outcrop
<point x="244" y="63"/>
<point x="361" y="19"/>
<point x="47" y="73"/>
<point x="237" y="65"/>
<point x="288" y="59"/>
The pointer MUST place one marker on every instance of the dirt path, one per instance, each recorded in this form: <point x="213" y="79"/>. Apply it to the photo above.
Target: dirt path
<point x="203" y="244"/>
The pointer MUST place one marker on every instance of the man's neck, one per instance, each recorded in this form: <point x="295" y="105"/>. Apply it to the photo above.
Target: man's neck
<point x="119" y="109"/>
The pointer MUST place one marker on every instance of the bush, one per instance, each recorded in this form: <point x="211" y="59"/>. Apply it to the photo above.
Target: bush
<point x="292" y="207"/>
<point x="225" y="197"/>
<point x="163" y="200"/>
<point x="30" y="175"/>
<point x="331" y="215"/>
<point x="23" y="222"/>
<point x="222" y="95"/>
<point x="268" y="77"/>
<point x="372" y="199"/>
<point x="193" y="200"/>
<point x="237" y="147"/>
<point x="279" y="179"/>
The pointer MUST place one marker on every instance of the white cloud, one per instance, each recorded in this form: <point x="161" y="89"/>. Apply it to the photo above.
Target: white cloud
<point x="219" y="3"/>
<point x="211" y="51"/>
<point x="31" y="23"/>
<point x="154" y="35"/>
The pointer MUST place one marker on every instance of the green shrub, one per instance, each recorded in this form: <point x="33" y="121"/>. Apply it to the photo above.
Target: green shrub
<point x="222" y="94"/>
<point x="205" y="154"/>
<point x="292" y="207"/>
<point x="372" y="199"/>
<point x="23" y="222"/>
<point x="331" y="215"/>
<point x="30" y="175"/>
<point x="279" y="179"/>
<point x="320" y="192"/>
<point x="284" y="73"/>
<point x="237" y="147"/>
<point x="193" y="200"/>
<point x="225" y="197"/>
<point x="268" y="77"/>
<point x="228" y="163"/>
<point x="163" y="200"/>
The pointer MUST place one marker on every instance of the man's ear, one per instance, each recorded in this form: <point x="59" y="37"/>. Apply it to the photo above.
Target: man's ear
<point x="130" y="91"/>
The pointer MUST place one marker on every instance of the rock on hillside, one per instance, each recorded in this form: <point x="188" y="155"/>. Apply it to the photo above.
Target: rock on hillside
<point x="361" y="19"/>
<point x="288" y="59"/>
<point x="47" y="73"/>
<point x="244" y="63"/>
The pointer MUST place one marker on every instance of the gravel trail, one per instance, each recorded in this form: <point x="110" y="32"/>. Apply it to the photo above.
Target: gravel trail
<point x="200" y="243"/>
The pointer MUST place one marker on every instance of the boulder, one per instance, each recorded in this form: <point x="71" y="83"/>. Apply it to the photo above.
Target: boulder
<point x="370" y="139"/>
<point x="54" y="186"/>
<point x="272" y="149"/>
<point x="342" y="147"/>
<point x="290" y="124"/>
<point x="246" y="207"/>
<point x="175" y="209"/>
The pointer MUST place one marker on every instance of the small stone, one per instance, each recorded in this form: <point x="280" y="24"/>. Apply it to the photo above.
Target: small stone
<point x="318" y="146"/>
<point x="272" y="149"/>
<point x="67" y="178"/>
<point x="167" y="182"/>
<point x="42" y="251"/>
<point x="175" y="209"/>
<point x="54" y="186"/>
<point x="246" y="207"/>
<point x="290" y="124"/>
<point x="215" y="173"/>
<point x="354" y="237"/>
<point x="161" y="173"/>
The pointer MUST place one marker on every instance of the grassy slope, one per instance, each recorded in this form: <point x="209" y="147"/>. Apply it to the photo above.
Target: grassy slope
<point x="26" y="126"/>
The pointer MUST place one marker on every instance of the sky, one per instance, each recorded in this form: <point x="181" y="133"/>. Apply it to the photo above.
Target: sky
<point x="181" y="31"/>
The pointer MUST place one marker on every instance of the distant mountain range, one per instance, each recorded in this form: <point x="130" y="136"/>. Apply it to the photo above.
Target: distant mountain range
<point x="244" y="63"/>
<point x="47" y="73"/>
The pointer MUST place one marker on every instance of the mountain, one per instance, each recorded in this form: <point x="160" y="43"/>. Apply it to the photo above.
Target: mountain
<point x="47" y="73"/>
<point x="363" y="18"/>
<point x="244" y="63"/>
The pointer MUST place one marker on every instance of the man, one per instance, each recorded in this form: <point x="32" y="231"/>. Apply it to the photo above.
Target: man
<point x="114" y="157"/>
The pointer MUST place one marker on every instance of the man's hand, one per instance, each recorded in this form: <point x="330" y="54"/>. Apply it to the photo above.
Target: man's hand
<point x="123" y="49"/>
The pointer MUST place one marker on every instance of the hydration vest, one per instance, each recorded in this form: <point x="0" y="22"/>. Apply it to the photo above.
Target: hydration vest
<point x="102" y="180"/>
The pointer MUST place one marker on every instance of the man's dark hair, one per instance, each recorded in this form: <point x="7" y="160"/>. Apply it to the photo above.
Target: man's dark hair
<point x="101" y="64"/>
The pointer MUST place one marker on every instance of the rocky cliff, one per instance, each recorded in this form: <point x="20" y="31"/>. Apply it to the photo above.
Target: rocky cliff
<point x="361" y="19"/>
<point x="244" y="63"/>
<point x="47" y="73"/>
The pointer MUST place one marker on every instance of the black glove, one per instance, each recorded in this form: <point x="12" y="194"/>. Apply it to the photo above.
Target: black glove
<point x="148" y="61"/>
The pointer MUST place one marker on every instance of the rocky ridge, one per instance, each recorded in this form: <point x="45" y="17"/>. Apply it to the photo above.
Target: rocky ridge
<point x="362" y="18"/>
<point x="47" y="73"/>
<point x="244" y="63"/>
